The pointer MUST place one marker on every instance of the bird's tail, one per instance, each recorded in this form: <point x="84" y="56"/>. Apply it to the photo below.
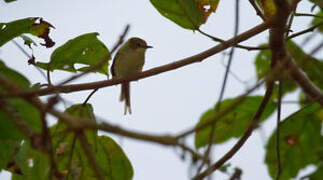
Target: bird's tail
<point x="125" y="96"/>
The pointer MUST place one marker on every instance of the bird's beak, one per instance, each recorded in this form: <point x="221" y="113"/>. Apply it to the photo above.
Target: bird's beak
<point x="148" y="47"/>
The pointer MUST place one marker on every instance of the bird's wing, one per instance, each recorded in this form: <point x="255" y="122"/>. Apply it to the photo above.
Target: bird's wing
<point x="113" y="64"/>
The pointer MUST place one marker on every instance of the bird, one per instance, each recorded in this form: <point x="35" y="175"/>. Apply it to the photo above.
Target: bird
<point x="129" y="60"/>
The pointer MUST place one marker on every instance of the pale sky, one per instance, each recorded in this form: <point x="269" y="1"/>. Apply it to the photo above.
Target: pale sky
<point x="168" y="103"/>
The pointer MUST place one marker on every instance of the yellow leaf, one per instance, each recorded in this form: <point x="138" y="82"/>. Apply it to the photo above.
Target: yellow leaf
<point x="268" y="6"/>
<point x="41" y="29"/>
<point x="320" y="115"/>
<point x="207" y="7"/>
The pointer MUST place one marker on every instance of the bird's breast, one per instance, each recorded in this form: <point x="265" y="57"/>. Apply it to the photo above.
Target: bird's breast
<point x="130" y="63"/>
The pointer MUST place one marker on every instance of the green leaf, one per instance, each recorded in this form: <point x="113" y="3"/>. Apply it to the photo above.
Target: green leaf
<point x="71" y="158"/>
<point x="28" y="41"/>
<point x="8" y="128"/>
<point x="8" y="149"/>
<point x="318" y="3"/>
<point x="185" y="13"/>
<point x="224" y="168"/>
<point x="78" y="110"/>
<point x="82" y="110"/>
<point x="10" y="135"/>
<point x="86" y="49"/>
<point x="8" y="1"/>
<point x="13" y="76"/>
<point x="318" y="174"/>
<point x="304" y="99"/>
<point x="311" y="66"/>
<point x="112" y="158"/>
<point x="301" y="143"/>
<point x="34" y="165"/>
<point x="262" y="64"/>
<point x="317" y="20"/>
<point x="234" y="124"/>
<point x="31" y="115"/>
<point x="35" y="26"/>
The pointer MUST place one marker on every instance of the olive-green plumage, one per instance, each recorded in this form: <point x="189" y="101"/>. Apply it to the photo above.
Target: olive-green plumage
<point x="129" y="60"/>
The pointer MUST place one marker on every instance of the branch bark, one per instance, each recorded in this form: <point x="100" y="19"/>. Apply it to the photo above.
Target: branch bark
<point x="243" y="139"/>
<point x="154" y="71"/>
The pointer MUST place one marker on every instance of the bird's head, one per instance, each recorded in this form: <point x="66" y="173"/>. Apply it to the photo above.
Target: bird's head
<point x="137" y="43"/>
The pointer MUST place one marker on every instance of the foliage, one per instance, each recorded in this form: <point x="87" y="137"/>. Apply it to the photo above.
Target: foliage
<point x="72" y="147"/>
<point x="311" y="66"/>
<point x="85" y="49"/>
<point x="301" y="142"/>
<point x="189" y="14"/>
<point x="35" y="26"/>
<point x="70" y="156"/>
<point x="232" y="125"/>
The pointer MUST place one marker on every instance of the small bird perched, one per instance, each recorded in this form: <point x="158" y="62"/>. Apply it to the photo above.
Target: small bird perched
<point x="129" y="59"/>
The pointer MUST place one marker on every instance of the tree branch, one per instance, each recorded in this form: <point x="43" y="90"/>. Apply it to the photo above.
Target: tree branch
<point x="258" y="11"/>
<point x="304" y="82"/>
<point x="90" y="156"/>
<point x="305" y="31"/>
<point x="19" y="121"/>
<point x="208" y="150"/>
<point x="243" y="139"/>
<point x="221" y="113"/>
<point x="280" y="54"/>
<point x="248" y="48"/>
<point x="280" y="92"/>
<point x="101" y="62"/>
<point x="168" y="67"/>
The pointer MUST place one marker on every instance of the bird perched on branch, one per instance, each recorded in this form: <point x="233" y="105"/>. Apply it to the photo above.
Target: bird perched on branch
<point x="129" y="60"/>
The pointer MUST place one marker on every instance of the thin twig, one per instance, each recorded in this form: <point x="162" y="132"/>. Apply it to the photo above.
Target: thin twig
<point x="257" y="9"/>
<point x="304" y="82"/>
<point x="305" y="31"/>
<point x="100" y="63"/>
<point x="271" y="76"/>
<point x="29" y="57"/>
<point x="90" y="95"/>
<point x="18" y="120"/>
<point x="194" y="154"/>
<point x="70" y="156"/>
<point x="308" y="38"/>
<point x="309" y="15"/>
<point x="90" y="156"/>
<point x="248" y="48"/>
<point x="47" y="141"/>
<point x="225" y="80"/>
<point x="221" y="113"/>
<point x="47" y="138"/>
<point x="115" y="47"/>
<point x="154" y="71"/>
<point x="243" y="139"/>
<point x="48" y="76"/>
<point x="316" y="49"/>
<point x="278" y="130"/>
<point x="279" y="52"/>
<point x="270" y="79"/>
<point x="290" y="102"/>
<point x="121" y="39"/>
<point x="79" y="123"/>
<point x="289" y="24"/>
<point x="237" y="174"/>
<point x="235" y="76"/>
